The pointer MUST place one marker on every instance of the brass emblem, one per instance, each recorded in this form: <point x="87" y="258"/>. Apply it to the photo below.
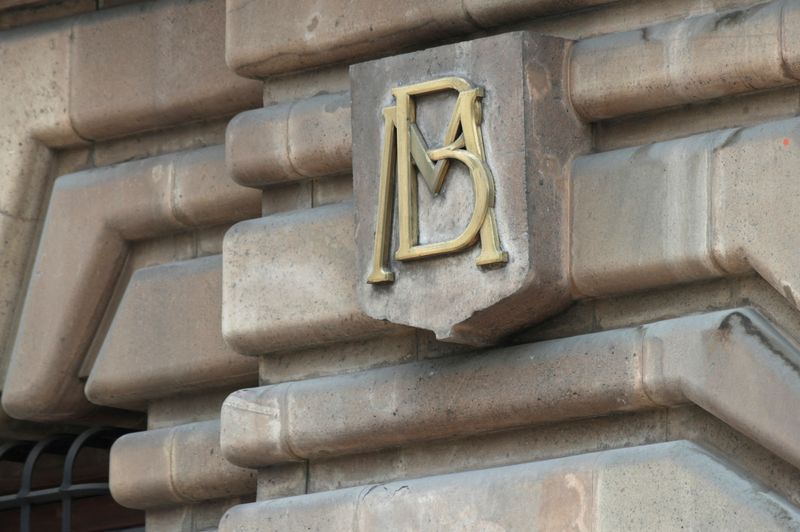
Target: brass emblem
<point x="403" y="145"/>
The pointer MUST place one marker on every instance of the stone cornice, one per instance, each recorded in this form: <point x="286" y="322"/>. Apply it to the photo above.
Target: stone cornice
<point x="666" y="485"/>
<point x="91" y="217"/>
<point x="733" y="363"/>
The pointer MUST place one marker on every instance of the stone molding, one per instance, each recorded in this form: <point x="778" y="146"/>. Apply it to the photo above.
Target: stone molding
<point x="607" y="490"/>
<point x="56" y="77"/>
<point x="168" y="63"/>
<point x="688" y="209"/>
<point x="175" y="465"/>
<point x="717" y="223"/>
<point x="686" y="61"/>
<point x="165" y="338"/>
<point x="689" y="70"/>
<point x="698" y="237"/>
<point x="703" y="359"/>
<point x="276" y="292"/>
<point x="288" y="142"/>
<point x="264" y="38"/>
<point x="91" y="217"/>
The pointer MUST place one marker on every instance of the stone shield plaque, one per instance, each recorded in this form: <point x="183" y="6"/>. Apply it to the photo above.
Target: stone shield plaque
<point x="460" y="169"/>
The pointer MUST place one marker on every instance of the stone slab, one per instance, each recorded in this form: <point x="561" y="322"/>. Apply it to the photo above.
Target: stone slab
<point x="151" y="65"/>
<point x="605" y="491"/>
<point x="165" y="338"/>
<point x="289" y="282"/>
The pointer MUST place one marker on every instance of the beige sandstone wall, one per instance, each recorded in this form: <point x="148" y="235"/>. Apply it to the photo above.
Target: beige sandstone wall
<point x="188" y="197"/>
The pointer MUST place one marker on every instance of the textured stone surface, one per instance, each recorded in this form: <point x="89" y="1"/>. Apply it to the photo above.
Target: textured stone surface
<point x="529" y="135"/>
<point x="182" y="464"/>
<point x="688" y="209"/>
<point x="666" y="363"/>
<point x="75" y="269"/>
<point x="612" y="490"/>
<point x="190" y="517"/>
<point x="685" y="61"/>
<point x="166" y="340"/>
<point x="34" y="88"/>
<point x="334" y="359"/>
<point x="184" y="409"/>
<point x="557" y="440"/>
<point x="495" y="449"/>
<point x="288" y="281"/>
<point x="266" y="37"/>
<point x="738" y="367"/>
<point x="427" y="400"/>
<point x="131" y="68"/>
<point x="643" y="214"/>
<point x="741" y="110"/>
<point x="667" y="237"/>
<point x="291" y="141"/>
<point x="93" y="77"/>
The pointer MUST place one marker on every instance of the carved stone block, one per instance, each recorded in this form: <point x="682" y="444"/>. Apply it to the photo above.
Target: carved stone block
<point x="460" y="173"/>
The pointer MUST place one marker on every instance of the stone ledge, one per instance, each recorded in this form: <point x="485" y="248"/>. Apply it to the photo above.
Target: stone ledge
<point x="688" y="209"/>
<point x="165" y="339"/>
<point x="91" y="217"/>
<point x="661" y="364"/>
<point x="63" y="83"/>
<point x="686" y="61"/>
<point x="265" y="38"/>
<point x="151" y="65"/>
<point x="287" y="142"/>
<point x="176" y="465"/>
<point x="609" y="490"/>
<point x="289" y="281"/>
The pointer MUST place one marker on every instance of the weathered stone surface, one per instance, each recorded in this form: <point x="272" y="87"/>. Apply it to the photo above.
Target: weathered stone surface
<point x="611" y="490"/>
<point x="62" y="84"/>
<point x="329" y="190"/>
<point x="494" y="449"/>
<point x="737" y="111"/>
<point x="266" y="37"/>
<point x="433" y="399"/>
<point x="151" y="65"/>
<point x="91" y="217"/>
<point x="689" y="209"/>
<point x="335" y="359"/>
<point x="14" y="4"/>
<point x="351" y="400"/>
<point x="165" y="339"/>
<point x="755" y="221"/>
<point x="290" y="141"/>
<point x="283" y="480"/>
<point x="24" y="13"/>
<point x="618" y="17"/>
<point x="736" y="366"/>
<point x="288" y="281"/>
<point x="643" y="214"/>
<point x="190" y="517"/>
<point x="34" y="89"/>
<point x="686" y="61"/>
<point x="60" y="77"/>
<point x="557" y="440"/>
<point x="182" y="464"/>
<point x="660" y="364"/>
<point x="529" y="135"/>
<point x="184" y="409"/>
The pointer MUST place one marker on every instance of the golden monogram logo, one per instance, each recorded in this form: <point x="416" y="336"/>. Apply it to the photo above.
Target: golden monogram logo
<point x="404" y="145"/>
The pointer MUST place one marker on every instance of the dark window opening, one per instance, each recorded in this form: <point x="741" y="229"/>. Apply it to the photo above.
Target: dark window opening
<point x="61" y="483"/>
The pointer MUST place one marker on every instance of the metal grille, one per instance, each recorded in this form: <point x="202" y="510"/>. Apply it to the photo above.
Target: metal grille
<point x="69" y="446"/>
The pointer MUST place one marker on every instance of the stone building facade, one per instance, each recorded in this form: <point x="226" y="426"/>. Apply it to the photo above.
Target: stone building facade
<point x="370" y="265"/>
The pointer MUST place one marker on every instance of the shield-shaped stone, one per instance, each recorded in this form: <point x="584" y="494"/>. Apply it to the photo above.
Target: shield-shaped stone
<point x="496" y="106"/>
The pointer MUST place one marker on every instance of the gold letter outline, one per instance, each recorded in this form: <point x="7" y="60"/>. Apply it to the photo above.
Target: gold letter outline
<point x="401" y="132"/>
